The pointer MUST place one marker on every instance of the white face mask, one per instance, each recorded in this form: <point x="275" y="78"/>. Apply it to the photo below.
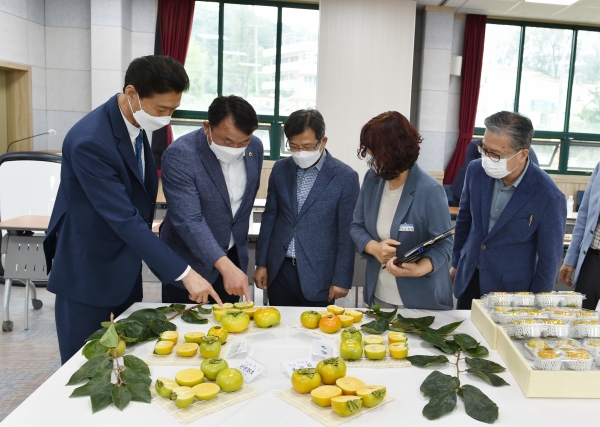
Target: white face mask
<point x="306" y="159"/>
<point x="225" y="154"/>
<point x="147" y="121"/>
<point x="497" y="170"/>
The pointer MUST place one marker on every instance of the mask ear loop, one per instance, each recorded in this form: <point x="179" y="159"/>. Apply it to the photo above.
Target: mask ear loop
<point x="516" y="154"/>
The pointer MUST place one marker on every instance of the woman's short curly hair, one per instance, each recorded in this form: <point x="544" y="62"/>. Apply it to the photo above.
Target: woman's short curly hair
<point x="393" y="143"/>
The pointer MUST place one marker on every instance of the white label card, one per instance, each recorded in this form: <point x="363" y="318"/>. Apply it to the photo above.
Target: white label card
<point x="251" y="369"/>
<point x="291" y="365"/>
<point x="407" y="227"/>
<point x="238" y="348"/>
<point x="321" y="349"/>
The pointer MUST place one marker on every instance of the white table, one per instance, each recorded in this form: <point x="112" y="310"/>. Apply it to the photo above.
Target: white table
<point x="50" y="404"/>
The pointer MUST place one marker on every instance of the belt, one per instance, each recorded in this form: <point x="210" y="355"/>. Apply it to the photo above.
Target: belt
<point x="292" y="260"/>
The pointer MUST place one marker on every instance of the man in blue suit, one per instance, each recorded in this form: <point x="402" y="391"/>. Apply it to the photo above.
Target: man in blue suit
<point x="304" y="254"/>
<point x="511" y="220"/>
<point x="210" y="178"/>
<point x="100" y="228"/>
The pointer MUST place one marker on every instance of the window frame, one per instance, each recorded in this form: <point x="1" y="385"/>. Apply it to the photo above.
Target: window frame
<point x="564" y="136"/>
<point x="275" y="120"/>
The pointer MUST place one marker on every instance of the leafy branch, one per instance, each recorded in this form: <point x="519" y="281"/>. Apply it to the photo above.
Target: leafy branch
<point x="444" y="390"/>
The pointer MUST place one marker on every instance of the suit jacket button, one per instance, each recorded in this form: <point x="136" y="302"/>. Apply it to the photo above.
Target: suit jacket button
<point x="483" y="247"/>
<point x="295" y="228"/>
<point x="472" y="266"/>
<point x="285" y="248"/>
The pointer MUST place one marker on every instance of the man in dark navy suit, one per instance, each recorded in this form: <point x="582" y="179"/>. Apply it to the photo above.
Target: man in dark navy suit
<point x="100" y="229"/>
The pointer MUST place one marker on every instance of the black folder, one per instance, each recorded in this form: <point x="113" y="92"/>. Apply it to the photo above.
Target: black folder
<point x="417" y="252"/>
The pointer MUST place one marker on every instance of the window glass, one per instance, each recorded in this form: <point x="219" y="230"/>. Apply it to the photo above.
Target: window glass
<point x="499" y="71"/>
<point x="583" y="156"/>
<point x="545" y="77"/>
<point x="201" y="61"/>
<point x="585" y="98"/>
<point x="180" y="130"/>
<point x="299" y="54"/>
<point x="249" y="32"/>
<point x="547" y="152"/>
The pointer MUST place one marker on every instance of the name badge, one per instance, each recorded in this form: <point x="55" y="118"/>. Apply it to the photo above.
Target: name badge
<point x="407" y="227"/>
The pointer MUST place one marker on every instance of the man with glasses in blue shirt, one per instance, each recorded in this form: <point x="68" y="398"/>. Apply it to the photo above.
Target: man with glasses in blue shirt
<point x="511" y="220"/>
<point x="304" y="254"/>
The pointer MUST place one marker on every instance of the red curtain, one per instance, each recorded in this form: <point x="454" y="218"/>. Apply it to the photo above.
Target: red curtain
<point x="174" y="28"/>
<point x="469" y="92"/>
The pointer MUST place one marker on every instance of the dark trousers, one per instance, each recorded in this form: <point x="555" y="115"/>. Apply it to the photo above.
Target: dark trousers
<point x="76" y="321"/>
<point x="472" y="292"/>
<point x="588" y="282"/>
<point x="174" y="294"/>
<point x="285" y="290"/>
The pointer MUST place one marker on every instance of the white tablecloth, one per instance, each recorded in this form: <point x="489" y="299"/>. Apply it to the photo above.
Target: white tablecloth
<point x="50" y="405"/>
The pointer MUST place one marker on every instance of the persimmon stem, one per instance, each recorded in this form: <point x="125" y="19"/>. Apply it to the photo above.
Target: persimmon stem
<point x="457" y="360"/>
<point x="179" y="313"/>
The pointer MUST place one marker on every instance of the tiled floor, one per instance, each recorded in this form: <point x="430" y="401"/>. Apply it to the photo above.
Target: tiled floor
<point x="28" y="358"/>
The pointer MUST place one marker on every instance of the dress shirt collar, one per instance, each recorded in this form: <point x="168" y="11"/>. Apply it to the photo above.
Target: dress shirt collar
<point x="132" y="130"/>
<point x="520" y="178"/>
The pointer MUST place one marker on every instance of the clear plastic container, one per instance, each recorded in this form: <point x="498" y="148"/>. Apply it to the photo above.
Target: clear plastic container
<point x="578" y="360"/>
<point x="496" y="299"/>
<point x="495" y="312"/>
<point x="593" y="346"/>
<point x="587" y="328"/>
<point x="548" y="299"/>
<point x="571" y="299"/>
<point x="555" y="328"/>
<point x="566" y="315"/>
<point x="526" y="328"/>
<point x="565" y="344"/>
<point x="523" y="299"/>
<point x="510" y="316"/>
<point x="584" y="314"/>
<point x="547" y="360"/>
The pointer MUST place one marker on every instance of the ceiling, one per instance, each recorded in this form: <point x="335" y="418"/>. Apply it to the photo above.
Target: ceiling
<point x="581" y="12"/>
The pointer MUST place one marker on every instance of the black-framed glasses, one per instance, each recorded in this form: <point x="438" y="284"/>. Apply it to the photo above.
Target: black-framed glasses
<point x="495" y="157"/>
<point x="296" y="150"/>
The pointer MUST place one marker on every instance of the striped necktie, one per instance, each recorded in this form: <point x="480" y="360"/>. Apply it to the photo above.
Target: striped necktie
<point x="139" y="143"/>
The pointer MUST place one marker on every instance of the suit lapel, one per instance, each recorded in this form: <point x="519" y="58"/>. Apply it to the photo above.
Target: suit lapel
<point x="124" y="145"/>
<point x="293" y="185"/>
<point x="371" y="222"/>
<point x="406" y="199"/>
<point x="487" y="189"/>
<point x="212" y="165"/>
<point x="516" y="202"/>
<point x="251" y="161"/>
<point x="325" y="175"/>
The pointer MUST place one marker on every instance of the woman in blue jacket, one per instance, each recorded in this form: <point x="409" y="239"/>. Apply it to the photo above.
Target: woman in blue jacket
<point x="400" y="206"/>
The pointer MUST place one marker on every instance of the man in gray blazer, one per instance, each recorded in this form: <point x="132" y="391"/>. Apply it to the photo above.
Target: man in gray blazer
<point x="304" y="255"/>
<point x="210" y="179"/>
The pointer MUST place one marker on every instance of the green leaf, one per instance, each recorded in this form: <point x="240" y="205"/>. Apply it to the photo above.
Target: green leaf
<point x="90" y="368"/>
<point x="387" y="314"/>
<point x="446" y="329"/>
<point x="477" y="405"/>
<point x="376" y="327"/>
<point x="133" y="376"/>
<point x="421" y="321"/>
<point x="455" y="347"/>
<point x="160" y="325"/>
<point x="93" y="349"/>
<point x="96" y="335"/>
<point x="127" y="339"/>
<point x="120" y="396"/>
<point x="478" y="351"/>
<point x="164" y="309"/>
<point x="202" y="310"/>
<point x="146" y="315"/>
<point x="424" y="361"/>
<point x="436" y="383"/>
<point x="136" y="364"/>
<point x="489" y="378"/>
<point x="106" y="324"/>
<point x="193" y="317"/>
<point x="101" y="398"/>
<point x="440" y="404"/>
<point x="376" y="308"/>
<point x="110" y="337"/>
<point x="437" y="341"/>
<point x="101" y="378"/>
<point x="178" y="307"/>
<point x="139" y="392"/>
<point x="133" y="328"/>
<point x="466" y="342"/>
<point x="484" y="365"/>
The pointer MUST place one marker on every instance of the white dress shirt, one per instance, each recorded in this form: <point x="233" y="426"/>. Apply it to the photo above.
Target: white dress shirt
<point x="235" y="178"/>
<point x="133" y="134"/>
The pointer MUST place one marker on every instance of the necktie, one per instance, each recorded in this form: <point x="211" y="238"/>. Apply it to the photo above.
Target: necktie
<point x="139" y="143"/>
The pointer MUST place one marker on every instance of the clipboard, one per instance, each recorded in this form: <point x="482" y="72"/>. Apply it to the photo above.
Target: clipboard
<point x="416" y="252"/>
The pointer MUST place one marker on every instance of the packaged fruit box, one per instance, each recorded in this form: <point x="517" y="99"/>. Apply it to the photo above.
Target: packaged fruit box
<point x="563" y="383"/>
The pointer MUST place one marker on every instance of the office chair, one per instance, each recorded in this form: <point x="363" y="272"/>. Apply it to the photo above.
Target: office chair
<point x="29" y="182"/>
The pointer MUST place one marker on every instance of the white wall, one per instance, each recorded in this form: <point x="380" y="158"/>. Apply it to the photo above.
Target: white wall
<point x="365" y="67"/>
<point x="78" y="50"/>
